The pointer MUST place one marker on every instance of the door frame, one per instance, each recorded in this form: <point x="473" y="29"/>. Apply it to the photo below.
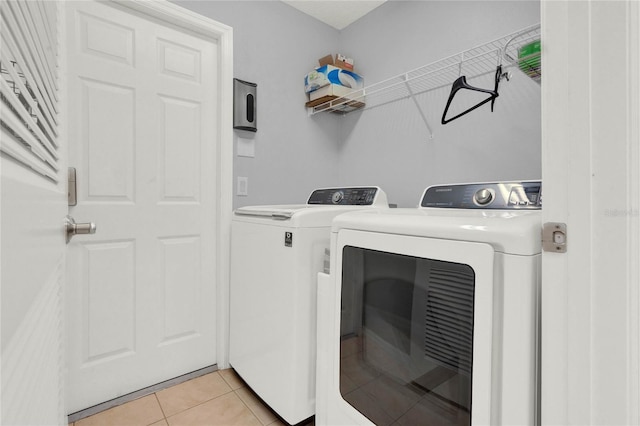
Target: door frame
<point x="176" y="16"/>
<point x="591" y="173"/>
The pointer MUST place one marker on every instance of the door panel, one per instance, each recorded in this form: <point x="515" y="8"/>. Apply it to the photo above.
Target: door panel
<point x="143" y="139"/>
<point x="179" y="150"/>
<point x="106" y="39"/>
<point x="181" y="287"/>
<point x="179" y="61"/>
<point x="109" y="276"/>
<point x="109" y="156"/>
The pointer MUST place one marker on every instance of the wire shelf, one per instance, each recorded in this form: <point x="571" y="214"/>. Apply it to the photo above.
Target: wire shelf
<point x="475" y="62"/>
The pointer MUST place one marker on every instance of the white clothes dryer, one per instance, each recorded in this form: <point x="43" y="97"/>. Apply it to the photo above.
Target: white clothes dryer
<point x="430" y="316"/>
<point x="276" y="253"/>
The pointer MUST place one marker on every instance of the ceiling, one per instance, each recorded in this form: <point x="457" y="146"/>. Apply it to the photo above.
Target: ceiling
<point x="337" y="13"/>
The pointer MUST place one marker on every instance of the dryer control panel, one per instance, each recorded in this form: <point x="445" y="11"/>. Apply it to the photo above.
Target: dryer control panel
<point x="502" y="196"/>
<point x="365" y="196"/>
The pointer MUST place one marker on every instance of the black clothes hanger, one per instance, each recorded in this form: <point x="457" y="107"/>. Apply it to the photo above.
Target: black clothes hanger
<point x="461" y="83"/>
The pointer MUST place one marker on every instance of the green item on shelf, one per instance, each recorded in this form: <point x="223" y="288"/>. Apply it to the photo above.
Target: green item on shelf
<point x="529" y="60"/>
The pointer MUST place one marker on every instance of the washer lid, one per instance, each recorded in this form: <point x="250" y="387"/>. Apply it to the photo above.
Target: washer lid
<point x="513" y="232"/>
<point x="295" y="216"/>
<point x="282" y="212"/>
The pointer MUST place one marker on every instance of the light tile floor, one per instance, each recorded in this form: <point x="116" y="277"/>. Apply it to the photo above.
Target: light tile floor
<point x="220" y="398"/>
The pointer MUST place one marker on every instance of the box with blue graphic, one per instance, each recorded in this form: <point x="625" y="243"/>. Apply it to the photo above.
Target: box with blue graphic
<point x="328" y="74"/>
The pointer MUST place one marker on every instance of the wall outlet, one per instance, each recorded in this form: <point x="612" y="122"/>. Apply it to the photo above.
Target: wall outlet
<point x="243" y="186"/>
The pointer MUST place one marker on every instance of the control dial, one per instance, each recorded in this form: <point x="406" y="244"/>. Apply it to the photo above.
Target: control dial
<point x="337" y="197"/>
<point x="483" y="197"/>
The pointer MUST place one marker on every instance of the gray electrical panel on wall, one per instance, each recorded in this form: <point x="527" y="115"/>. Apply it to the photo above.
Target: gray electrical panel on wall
<point x="244" y="105"/>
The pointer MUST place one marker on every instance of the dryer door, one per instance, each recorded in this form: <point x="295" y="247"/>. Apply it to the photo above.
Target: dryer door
<point x="415" y="330"/>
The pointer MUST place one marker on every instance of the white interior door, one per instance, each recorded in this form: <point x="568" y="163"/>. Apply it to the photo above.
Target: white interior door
<point x="143" y="137"/>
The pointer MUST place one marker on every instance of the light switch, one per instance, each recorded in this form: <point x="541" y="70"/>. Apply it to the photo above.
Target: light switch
<point x="243" y="186"/>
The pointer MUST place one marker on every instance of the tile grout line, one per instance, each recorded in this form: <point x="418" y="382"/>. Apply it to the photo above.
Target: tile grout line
<point x="242" y="400"/>
<point x="225" y="380"/>
<point x="161" y="409"/>
<point x="231" y="390"/>
<point x="261" y="403"/>
<point x="250" y="410"/>
<point x="199" y="404"/>
<point x="242" y="382"/>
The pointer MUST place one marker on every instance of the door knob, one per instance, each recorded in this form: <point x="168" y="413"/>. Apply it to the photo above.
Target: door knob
<point x="74" y="228"/>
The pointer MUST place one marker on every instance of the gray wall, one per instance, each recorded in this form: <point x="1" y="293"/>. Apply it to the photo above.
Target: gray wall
<point x="275" y="46"/>
<point x="390" y="146"/>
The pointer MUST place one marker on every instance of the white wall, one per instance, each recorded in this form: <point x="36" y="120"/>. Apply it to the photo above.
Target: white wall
<point x="390" y="145"/>
<point x="275" y="46"/>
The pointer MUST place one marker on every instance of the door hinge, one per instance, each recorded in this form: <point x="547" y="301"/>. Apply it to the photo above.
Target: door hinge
<point x="554" y="237"/>
<point x="72" y="193"/>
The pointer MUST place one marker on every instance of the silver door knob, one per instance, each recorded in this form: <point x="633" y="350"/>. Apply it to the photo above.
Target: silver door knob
<point x="74" y="228"/>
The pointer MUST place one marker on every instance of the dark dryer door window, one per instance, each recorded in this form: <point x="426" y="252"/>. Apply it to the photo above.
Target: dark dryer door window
<point x="407" y="338"/>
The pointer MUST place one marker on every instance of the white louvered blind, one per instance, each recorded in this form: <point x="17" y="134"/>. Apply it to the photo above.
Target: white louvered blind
<point x="29" y="85"/>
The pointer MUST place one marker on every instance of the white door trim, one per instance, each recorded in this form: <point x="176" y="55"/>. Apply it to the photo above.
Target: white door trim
<point x="591" y="170"/>
<point x="178" y="16"/>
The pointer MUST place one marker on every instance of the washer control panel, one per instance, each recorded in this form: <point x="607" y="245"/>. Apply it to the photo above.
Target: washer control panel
<point x="503" y="196"/>
<point x="344" y="196"/>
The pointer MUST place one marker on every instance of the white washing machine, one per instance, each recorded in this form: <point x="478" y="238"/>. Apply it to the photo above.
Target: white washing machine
<point x="276" y="253"/>
<point x="430" y="316"/>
